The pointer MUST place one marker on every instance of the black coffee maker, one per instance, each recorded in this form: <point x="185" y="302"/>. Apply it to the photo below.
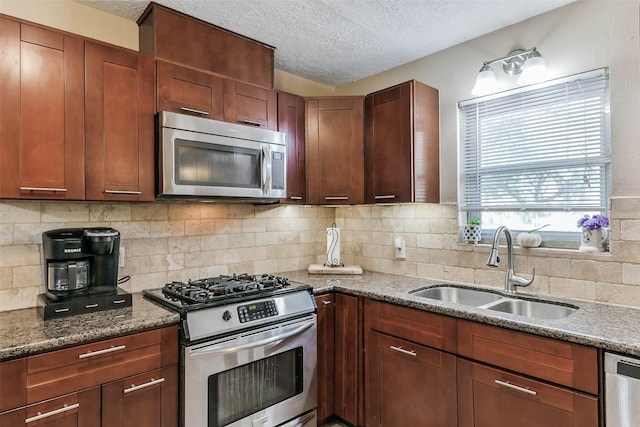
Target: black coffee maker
<point x="81" y="271"/>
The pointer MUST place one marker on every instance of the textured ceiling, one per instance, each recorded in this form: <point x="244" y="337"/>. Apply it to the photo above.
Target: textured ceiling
<point x="335" y="42"/>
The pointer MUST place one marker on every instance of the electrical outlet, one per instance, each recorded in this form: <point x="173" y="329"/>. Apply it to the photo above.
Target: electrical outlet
<point x="121" y="258"/>
<point x="401" y="252"/>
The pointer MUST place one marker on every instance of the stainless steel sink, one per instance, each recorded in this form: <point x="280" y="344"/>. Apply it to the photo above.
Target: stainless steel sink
<point x="532" y="309"/>
<point x="492" y="300"/>
<point x="464" y="296"/>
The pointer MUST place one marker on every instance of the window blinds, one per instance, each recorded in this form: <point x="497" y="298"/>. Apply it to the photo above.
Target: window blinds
<point x="542" y="148"/>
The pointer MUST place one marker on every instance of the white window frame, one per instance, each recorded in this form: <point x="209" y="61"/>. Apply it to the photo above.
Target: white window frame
<point x="484" y="164"/>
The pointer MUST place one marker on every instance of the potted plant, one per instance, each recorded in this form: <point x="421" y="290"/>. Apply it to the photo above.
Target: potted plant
<point x="594" y="232"/>
<point x="472" y="233"/>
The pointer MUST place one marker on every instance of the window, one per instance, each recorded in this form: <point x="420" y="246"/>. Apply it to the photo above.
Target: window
<point x="537" y="155"/>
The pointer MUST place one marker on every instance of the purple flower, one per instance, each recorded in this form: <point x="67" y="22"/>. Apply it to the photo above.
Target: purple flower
<point x="596" y="221"/>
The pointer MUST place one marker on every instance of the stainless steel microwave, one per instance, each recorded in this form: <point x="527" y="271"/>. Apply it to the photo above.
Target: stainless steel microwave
<point x="204" y="158"/>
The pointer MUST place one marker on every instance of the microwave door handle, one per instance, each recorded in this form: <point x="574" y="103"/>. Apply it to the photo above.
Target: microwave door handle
<point x="259" y="343"/>
<point x="265" y="162"/>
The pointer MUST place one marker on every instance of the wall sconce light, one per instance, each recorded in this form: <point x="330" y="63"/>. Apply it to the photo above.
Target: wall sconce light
<point x="528" y="63"/>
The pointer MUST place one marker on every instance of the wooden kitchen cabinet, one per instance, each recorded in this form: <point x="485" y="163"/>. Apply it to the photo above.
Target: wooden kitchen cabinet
<point x="41" y="113"/>
<point x="496" y="398"/>
<point x="250" y="105"/>
<point x="188" y="91"/>
<point x="291" y="122"/>
<point x="409" y="380"/>
<point x="348" y="359"/>
<point x="179" y="38"/>
<point x="128" y="380"/>
<point x="326" y="357"/>
<point x="119" y="124"/>
<point x="401" y="144"/>
<point x="335" y="150"/>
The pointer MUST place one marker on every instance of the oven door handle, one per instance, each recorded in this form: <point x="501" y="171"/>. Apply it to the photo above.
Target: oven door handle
<point x="259" y="343"/>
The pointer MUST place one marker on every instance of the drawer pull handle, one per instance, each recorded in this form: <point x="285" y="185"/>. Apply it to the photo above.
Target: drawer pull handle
<point x="296" y="197"/>
<point x="390" y="196"/>
<point x="119" y="301"/>
<point x="99" y="352"/>
<point x="193" y="110"/>
<point x="40" y="415"/>
<point x="251" y="122"/>
<point x="133" y="193"/>
<point x="402" y="350"/>
<point x="516" y="387"/>
<point x="42" y="189"/>
<point x="336" y="198"/>
<point x="145" y="385"/>
<point x="91" y="305"/>
<point x="61" y="310"/>
<point x="326" y="302"/>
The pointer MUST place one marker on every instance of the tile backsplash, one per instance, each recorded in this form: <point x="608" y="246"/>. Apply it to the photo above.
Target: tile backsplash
<point x="166" y="241"/>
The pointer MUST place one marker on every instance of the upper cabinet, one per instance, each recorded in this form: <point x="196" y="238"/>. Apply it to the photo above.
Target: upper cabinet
<point x="335" y="150"/>
<point x="291" y="122"/>
<point x="179" y="38"/>
<point x="185" y="90"/>
<point x="41" y="113"/>
<point x="402" y="144"/>
<point x="250" y="105"/>
<point x="119" y="124"/>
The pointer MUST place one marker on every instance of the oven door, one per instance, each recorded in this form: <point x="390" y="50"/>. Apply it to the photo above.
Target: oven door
<point x="263" y="377"/>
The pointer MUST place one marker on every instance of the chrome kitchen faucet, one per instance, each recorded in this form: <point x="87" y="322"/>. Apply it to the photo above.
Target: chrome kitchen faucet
<point x="511" y="279"/>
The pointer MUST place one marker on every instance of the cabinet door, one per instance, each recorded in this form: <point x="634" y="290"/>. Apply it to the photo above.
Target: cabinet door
<point x="402" y="144"/>
<point x="81" y="409"/>
<point x="335" y="150"/>
<point x="250" y="105"/>
<point x="146" y="400"/>
<point x="495" y="398"/>
<point x="408" y="384"/>
<point x="41" y="113"/>
<point x="326" y="348"/>
<point x="348" y="359"/>
<point x="291" y="122"/>
<point x="119" y="124"/>
<point x="187" y="91"/>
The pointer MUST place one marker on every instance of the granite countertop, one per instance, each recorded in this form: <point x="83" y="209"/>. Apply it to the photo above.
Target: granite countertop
<point x="23" y="332"/>
<point x="606" y="326"/>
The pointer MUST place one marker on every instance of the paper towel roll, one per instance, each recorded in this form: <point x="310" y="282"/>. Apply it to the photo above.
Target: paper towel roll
<point x="333" y="247"/>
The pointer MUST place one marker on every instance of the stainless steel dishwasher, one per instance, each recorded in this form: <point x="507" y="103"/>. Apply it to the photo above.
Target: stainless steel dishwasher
<point x="622" y="390"/>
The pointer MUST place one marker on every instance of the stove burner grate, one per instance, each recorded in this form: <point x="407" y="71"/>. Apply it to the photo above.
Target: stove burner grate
<point x="224" y="287"/>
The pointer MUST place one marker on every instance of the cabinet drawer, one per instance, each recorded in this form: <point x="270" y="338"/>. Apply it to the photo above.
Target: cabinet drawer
<point x="63" y="371"/>
<point x="572" y="365"/>
<point x="433" y="330"/>
<point x="492" y="397"/>
<point x="13" y="384"/>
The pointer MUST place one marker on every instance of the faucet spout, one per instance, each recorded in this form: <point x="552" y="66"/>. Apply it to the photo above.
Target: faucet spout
<point x="511" y="279"/>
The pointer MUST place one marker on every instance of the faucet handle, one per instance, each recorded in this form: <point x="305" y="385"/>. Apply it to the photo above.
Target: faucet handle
<point x="521" y="281"/>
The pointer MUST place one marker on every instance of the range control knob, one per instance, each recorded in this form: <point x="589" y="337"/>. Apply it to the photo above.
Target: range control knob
<point x="226" y="315"/>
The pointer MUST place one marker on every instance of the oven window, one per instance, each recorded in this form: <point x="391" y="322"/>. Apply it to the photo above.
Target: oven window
<point x="216" y="165"/>
<point x="242" y="391"/>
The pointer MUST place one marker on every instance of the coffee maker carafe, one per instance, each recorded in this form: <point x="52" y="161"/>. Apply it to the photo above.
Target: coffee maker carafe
<point x="80" y="262"/>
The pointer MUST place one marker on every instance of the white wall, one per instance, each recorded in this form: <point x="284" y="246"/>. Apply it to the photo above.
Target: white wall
<point x="578" y="37"/>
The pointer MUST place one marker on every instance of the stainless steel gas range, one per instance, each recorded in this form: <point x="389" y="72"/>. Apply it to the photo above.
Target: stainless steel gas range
<point x="248" y="351"/>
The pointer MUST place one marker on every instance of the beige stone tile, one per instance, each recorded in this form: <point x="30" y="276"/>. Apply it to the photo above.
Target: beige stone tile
<point x="241" y="210"/>
<point x="109" y="212"/>
<point x="581" y="289"/>
<point x="432" y="271"/>
<point x="444" y="257"/>
<point x="546" y="266"/>
<point x="614" y="293"/>
<point x="214" y="211"/>
<point x="149" y="212"/>
<point x="404" y="211"/>
<point x="417" y="255"/>
<point x="228" y="226"/>
<point x="186" y="274"/>
<point x="180" y="244"/>
<point x="269" y="238"/>
<point x="6" y="234"/>
<point x="17" y="298"/>
<point x="254" y="225"/>
<point x="372" y="251"/>
<point x="392" y="225"/>
<point x="631" y="274"/>
<point x="144" y="247"/>
<point x="31" y="234"/>
<point x="458" y="274"/>
<point x="630" y="229"/>
<point x="166" y="228"/>
<point x="202" y="258"/>
<point x="175" y="261"/>
<point x="406" y="268"/>
<point x="212" y="271"/>
<point x="225" y="256"/>
<point x="253" y="254"/>
<point x="183" y="211"/>
<point x="136" y="265"/>
<point x="65" y="212"/>
<point x="269" y="211"/>
<point x="625" y="251"/>
<point x="430" y="241"/>
<point x="160" y="263"/>
<point x="19" y="212"/>
<point x="132" y="230"/>
<point x="32" y="275"/>
<point x="151" y="280"/>
<point x="199" y="227"/>
<point x="6" y="278"/>
<point x="19" y="255"/>
<point x="625" y="207"/>
<point x="265" y="266"/>
<point x="493" y="277"/>
<point x="596" y="271"/>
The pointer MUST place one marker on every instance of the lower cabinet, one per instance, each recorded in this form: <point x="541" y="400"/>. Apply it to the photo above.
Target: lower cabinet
<point x="125" y="381"/>
<point x="348" y="359"/>
<point x="409" y="384"/>
<point x="495" y="398"/>
<point x="326" y="367"/>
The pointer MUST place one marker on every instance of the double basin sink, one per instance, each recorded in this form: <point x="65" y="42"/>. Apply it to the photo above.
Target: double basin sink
<point x="495" y="301"/>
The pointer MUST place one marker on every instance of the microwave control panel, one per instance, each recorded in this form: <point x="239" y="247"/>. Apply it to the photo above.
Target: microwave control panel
<point x="257" y="310"/>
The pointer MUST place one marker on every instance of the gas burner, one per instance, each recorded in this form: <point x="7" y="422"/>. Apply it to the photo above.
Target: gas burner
<point x="220" y="288"/>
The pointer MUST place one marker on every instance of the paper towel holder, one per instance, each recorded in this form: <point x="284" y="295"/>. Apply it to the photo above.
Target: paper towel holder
<point x="333" y="247"/>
